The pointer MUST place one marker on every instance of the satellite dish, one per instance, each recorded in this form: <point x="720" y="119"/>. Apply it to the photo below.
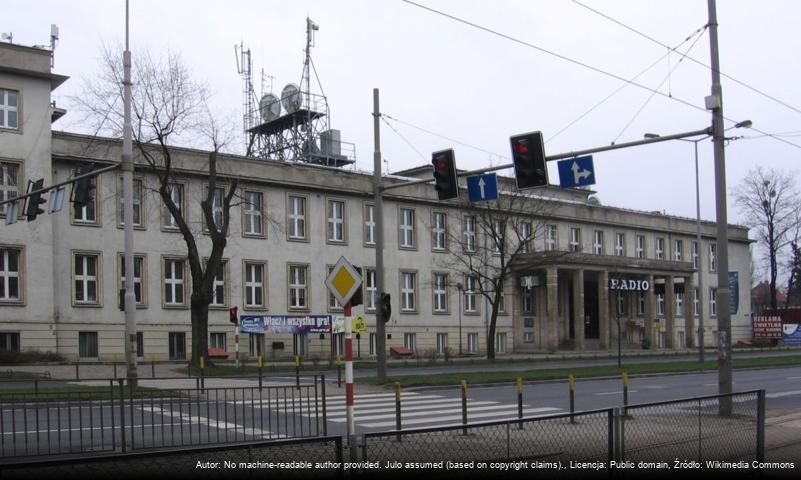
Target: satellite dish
<point x="290" y="98"/>
<point x="269" y="107"/>
<point x="594" y="201"/>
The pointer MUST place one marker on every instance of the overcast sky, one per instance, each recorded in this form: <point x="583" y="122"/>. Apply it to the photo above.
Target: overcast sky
<point x="477" y="88"/>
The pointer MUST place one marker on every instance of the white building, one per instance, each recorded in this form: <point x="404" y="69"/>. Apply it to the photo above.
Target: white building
<point x="60" y="274"/>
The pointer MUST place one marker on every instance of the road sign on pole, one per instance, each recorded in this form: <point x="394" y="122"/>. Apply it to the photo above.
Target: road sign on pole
<point x="343" y="281"/>
<point x="576" y="172"/>
<point x="481" y="188"/>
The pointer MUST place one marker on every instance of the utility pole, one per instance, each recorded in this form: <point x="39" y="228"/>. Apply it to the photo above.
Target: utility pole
<point x="378" y="219"/>
<point x="127" y="195"/>
<point x="715" y="103"/>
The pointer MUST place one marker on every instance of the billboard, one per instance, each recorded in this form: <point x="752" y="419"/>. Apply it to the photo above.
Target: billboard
<point x="792" y="333"/>
<point x="767" y="327"/>
<point x="278" y="324"/>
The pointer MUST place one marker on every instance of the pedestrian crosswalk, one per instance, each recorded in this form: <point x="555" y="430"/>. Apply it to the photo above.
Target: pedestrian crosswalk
<point x="418" y="409"/>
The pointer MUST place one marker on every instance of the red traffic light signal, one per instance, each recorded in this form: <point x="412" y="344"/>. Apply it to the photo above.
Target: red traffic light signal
<point x="528" y="155"/>
<point x="233" y="315"/>
<point x="445" y="174"/>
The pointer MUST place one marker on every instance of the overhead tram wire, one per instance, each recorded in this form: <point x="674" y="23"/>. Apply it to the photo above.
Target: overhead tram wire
<point x="651" y="96"/>
<point x="403" y="138"/>
<point x="590" y="67"/>
<point x="620" y="88"/>
<point x="698" y="62"/>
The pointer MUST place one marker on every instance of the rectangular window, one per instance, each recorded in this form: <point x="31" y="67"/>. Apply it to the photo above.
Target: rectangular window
<point x="9" y="183"/>
<point x="470" y="234"/>
<point x="140" y="345"/>
<point x="369" y="224"/>
<point x="528" y="337"/>
<point x="176" y="192"/>
<point x="177" y="345"/>
<point x="256" y="344"/>
<point x="296" y="218"/>
<point x="500" y="343"/>
<point x="408" y="291"/>
<point x="550" y="237"/>
<point x="9" y="342"/>
<point x="498" y="236"/>
<point x="372" y="344"/>
<point x="528" y="322"/>
<point x="298" y="287"/>
<point x="641" y="304"/>
<point x="660" y="304"/>
<point x="137" y="203"/>
<point x="442" y="343"/>
<point x="598" y="242"/>
<point x="410" y="341"/>
<point x="406" y="228"/>
<point x="659" y="248"/>
<point x="217" y="340"/>
<point x="472" y="343"/>
<point x="218" y="298"/>
<point x="88" y="212"/>
<point x="85" y="271"/>
<point x="678" y="250"/>
<point x="9" y="108"/>
<point x="620" y="298"/>
<point x="255" y="291"/>
<point x="440" y="292"/>
<point x="679" y="304"/>
<point x="139" y="265"/>
<point x="9" y="275"/>
<point x="713" y="257"/>
<point x="470" y="303"/>
<point x="696" y="255"/>
<point x="174" y="282"/>
<point x="575" y="239"/>
<point x="525" y="237"/>
<point x="639" y="248"/>
<point x="252" y="216"/>
<point x="371" y="291"/>
<point x="620" y="244"/>
<point x="217" y="206"/>
<point x="336" y="221"/>
<point x="528" y="301"/>
<point x="87" y="344"/>
<point x="502" y="301"/>
<point x="438" y="231"/>
<point x="713" y="302"/>
<point x="696" y="303"/>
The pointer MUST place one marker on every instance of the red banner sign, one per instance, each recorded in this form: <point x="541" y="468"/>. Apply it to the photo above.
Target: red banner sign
<point x="767" y="327"/>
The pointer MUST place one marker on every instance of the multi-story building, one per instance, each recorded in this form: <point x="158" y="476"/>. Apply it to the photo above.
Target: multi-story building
<point x="589" y="268"/>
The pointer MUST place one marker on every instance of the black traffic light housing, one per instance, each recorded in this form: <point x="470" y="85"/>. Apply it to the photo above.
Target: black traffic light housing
<point x="32" y="209"/>
<point x="385" y="306"/>
<point x="233" y="315"/>
<point x="528" y="155"/>
<point x="444" y="163"/>
<point x="83" y="189"/>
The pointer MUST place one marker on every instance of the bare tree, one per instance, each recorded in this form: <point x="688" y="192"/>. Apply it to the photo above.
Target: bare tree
<point x="503" y="230"/>
<point x="769" y="200"/>
<point x="169" y="108"/>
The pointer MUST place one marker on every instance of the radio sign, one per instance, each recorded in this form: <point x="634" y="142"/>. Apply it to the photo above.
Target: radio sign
<point x="629" y="284"/>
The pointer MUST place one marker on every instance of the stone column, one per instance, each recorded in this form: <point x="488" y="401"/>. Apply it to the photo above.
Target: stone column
<point x="670" y="312"/>
<point x="603" y="310"/>
<point x="551" y="317"/>
<point x="650" y="313"/>
<point x="578" y="308"/>
<point x="689" y="312"/>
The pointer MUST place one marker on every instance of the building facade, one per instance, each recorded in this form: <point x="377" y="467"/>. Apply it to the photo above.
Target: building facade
<point x="591" y="276"/>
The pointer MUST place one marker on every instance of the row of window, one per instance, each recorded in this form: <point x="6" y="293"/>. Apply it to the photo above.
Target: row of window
<point x="622" y="303"/>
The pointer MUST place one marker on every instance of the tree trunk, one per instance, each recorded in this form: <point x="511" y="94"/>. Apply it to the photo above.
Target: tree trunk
<point x="491" y="332"/>
<point x="200" y="330"/>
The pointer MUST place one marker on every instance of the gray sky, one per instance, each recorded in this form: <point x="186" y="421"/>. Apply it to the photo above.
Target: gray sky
<point x="478" y="88"/>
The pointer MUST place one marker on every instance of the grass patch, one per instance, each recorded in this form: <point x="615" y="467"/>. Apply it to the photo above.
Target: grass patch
<point x="79" y="392"/>
<point x="10" y="374"/>
<point x="580" y="372"/>
<point x="15" y="358"/>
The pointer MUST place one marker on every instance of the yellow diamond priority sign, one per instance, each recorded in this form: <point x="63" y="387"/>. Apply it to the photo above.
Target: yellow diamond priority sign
<point x="343" y="281"/>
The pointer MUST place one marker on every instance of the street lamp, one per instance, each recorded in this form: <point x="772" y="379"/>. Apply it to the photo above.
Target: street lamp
<point x="459" y="287"/>
<point x="743" y="124"/>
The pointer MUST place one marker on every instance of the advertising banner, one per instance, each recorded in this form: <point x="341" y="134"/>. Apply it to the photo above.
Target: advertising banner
<point x="276" y="324"/>
<point x="734" y="290"/>
<point x="767" y="327"/>
<point x="792" y="334"/>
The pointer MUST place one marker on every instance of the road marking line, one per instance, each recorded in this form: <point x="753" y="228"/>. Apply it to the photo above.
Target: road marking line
<point x="783" y="394"/>
<point x="471" y="412"/>
<point x="213" y="423"/>
<point x="615" y="393"/>
<point x="793" y="378"/>
<point x="451" y="405"/>
<point x="453" y="418"/>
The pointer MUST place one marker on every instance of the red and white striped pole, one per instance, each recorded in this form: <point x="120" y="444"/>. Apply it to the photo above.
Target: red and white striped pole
<point x="349" y="370"/>
<point x="236" y="341"/>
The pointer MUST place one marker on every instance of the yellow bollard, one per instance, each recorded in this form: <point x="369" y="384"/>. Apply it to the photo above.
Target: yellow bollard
<point x="464" y="406"/>
<point x="519" y="385"/>
<point x="572" y="382"/>
<point x="202" y="363"/>
<point x="260" y="361"/>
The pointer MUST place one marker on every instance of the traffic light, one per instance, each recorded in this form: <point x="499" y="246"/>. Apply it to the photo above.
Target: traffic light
<point x="233" y="315"/>
<point x="385" y="306"/>
<point x="357" y="298"/>
<point x="83" y="189"/>
<point x="528" y="155"/>
<point x="32" y="210"/>
<point x="445" y="174"/>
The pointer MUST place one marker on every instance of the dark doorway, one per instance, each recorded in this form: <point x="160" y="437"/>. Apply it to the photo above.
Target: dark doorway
<point x="591" y="322"/>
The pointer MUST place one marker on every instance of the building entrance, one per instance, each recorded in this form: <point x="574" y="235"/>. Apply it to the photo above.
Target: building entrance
<point x="591" y="311"/>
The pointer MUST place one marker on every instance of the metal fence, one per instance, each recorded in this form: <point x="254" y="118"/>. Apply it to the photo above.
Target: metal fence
<point x="121" y="417"/>
<point x="287" y="458"/>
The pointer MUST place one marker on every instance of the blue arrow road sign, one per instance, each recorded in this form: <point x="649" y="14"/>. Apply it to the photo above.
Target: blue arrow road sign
<point x="481" y="188"/>
<point x="576" y="172"/>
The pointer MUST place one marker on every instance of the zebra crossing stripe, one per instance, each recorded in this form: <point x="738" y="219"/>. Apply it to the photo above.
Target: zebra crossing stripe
<point x="386" y="408"/>
<point x="457" y="418"/>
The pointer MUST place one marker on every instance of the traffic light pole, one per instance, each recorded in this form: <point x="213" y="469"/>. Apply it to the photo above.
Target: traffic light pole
<point x="72" y="180"/>
<point x="127" y="194"/>
<point x="378" y="219"/>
